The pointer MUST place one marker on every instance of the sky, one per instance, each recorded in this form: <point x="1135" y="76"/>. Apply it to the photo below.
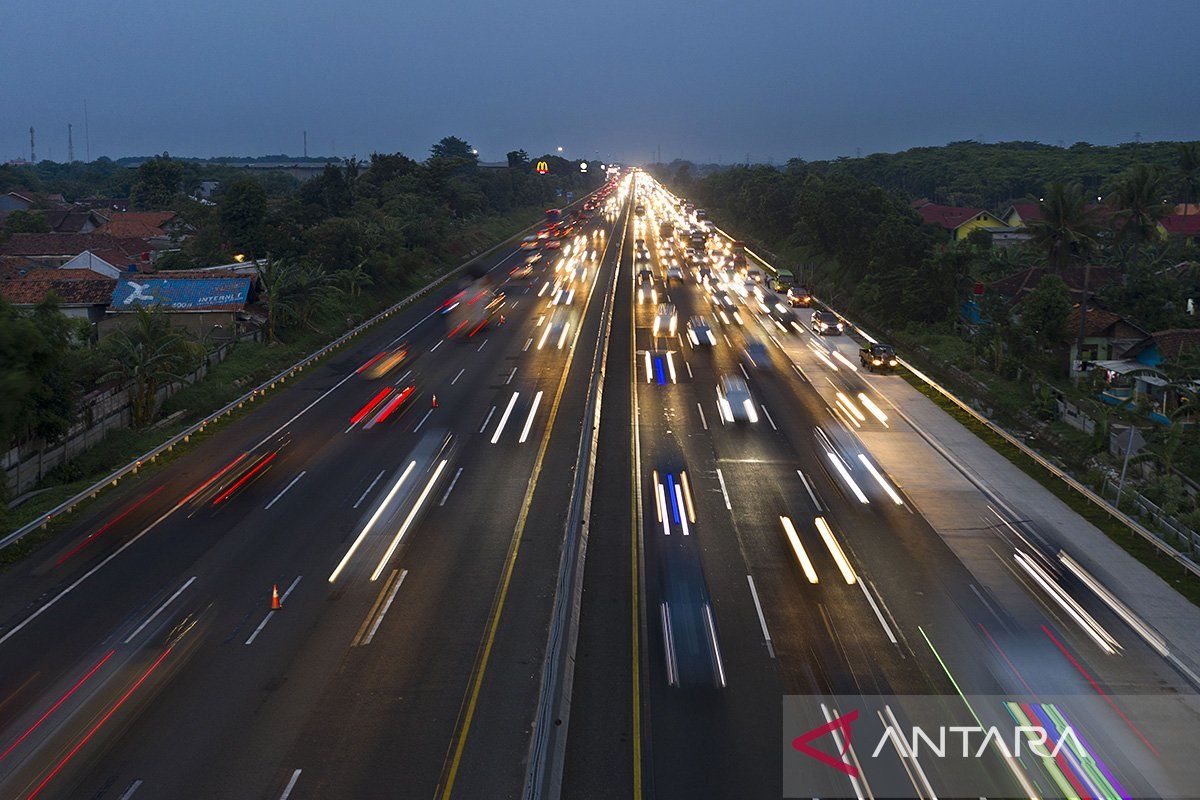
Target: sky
<point x="765" y="80"/>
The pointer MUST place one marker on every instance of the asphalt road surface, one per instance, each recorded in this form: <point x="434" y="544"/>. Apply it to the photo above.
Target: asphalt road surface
<point x="405" y="502"/>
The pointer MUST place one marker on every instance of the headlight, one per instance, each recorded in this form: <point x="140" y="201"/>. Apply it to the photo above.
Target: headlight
<point x="877" y="361"/>
<point x="892" y="363"/>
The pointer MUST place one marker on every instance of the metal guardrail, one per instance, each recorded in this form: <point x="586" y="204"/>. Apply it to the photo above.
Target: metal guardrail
<point x="1137" y="527"/>
<point x="182" y="437"/>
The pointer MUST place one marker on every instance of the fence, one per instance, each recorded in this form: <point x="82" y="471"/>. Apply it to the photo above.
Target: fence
<point x="261" y="390"/>
<point x="26" y="464"/>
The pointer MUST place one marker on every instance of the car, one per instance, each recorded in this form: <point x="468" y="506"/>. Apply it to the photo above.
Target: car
<point x="782" y="280"/>
<point x="756" y="354"/>
<point x="699" y="331"/>
<point x="562" y="294"/>
<point x="553" y="244"/>
<point x="878" y="356"/>
<point x="521" y="271"/>
<point x="642" y="257"/>
<point x="757" y="275"/>
<point x="666" y="320"/>
<point x="674" y="273"/>
<point x="799" y="296"/>
<point x="533" y="258"/>
<point x="826" y="322"/>
<point x="782" y="314"/>
<point x="529" y="243"/>
<point x="646" y="291"/>
<point x="734" y="400"/>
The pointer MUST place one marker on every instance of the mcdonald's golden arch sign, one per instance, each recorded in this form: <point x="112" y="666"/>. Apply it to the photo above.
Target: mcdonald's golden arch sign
<point x="542" y="168"/>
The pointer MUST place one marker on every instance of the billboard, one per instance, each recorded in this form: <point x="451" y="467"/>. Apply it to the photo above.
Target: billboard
<point x="181" y="294"/>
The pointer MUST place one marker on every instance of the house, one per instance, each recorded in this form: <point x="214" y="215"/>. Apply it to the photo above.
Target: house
<point x="1179" y="226"/>
<point x="1020" y="214"/>
<point x="55" y="249"/>
<point x="72" y="220"/>
<point x="211" y="307"/>
<point x="1141" y="375"/>
<point x="961" y="222"/>
<point x="1105" y="334"/>
<point x="110" y="263"/>
<point x="81" y="293"/>
<point x="16" y="201"/>
<point x="148" y="225"/>
<point x="1015" y="286"/>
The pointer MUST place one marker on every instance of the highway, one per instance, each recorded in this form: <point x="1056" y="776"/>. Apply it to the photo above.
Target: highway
<point x="407" y="503"/>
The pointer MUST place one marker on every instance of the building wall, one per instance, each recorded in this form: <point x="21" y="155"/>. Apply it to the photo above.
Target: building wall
<point x="980" y="221"/>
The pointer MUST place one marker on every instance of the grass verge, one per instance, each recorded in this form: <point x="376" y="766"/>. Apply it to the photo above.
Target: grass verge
<point x="1131" y="542"/>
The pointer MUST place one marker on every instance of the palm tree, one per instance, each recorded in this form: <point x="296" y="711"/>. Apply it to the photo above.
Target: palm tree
<point x="1139" y="197"/>
<point x="147" y="355"/>
<point x="1067" y="228"/>
<point x="277" y="277"/>
<point x="355" y="278"/>
<point x="1188" y="170"/>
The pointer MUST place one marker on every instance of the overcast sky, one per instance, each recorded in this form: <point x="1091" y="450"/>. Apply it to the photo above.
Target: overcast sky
<point x="770" y="79"/>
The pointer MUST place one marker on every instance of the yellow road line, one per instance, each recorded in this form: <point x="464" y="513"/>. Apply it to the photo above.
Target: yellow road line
<point x="510" y="563"/>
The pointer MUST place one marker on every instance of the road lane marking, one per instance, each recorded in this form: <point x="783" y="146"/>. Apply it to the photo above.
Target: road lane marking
<point x="436" y="346"/>
<point x="485" y="341"/>
<point x="724" y="493"/>
<point x="504" y="418"/>
<point x="689" y="369"/>
<point x="768" y="413"/>
<point x="272" y="613"/>
<point x="459" y="375"/>
<point x="159" y="610"/>
<point x="508" y="380"/>
<point x="287" y="790"/>
<point x="422" y="422"/>
<point x="382" y="603"/>
<point x="483" y="427"/>
<point x="879" y="616"/>
<point x="528" y="342"/>
<point x="450" y="488"/>
<point x="133" y="787"/>
<point x="793" y="538"/>
<point x="742" y="367"/>
<point x="812" y="495"/>
<point x="369" y="488"/>
<point x="761" y="619"/>
<point x="284" y="491"/>
<point x="703" y="421"/>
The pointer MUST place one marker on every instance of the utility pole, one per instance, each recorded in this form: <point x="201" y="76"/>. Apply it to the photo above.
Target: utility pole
<point x="306" y="144"/>
<point x="70" y="144"/>
<point x="32" y="150"/>
<point x="87" y="133"/>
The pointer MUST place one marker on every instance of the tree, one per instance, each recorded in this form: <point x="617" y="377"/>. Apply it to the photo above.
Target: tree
<point x="518" y="159"/>
<point x="1139" y="197"/>
<point x="355" y="278"/>
<point x="20" y="221"/>
<point x="1044" y="311"/>
<point x="146" y="355"/>
<point x="158" y="181"/>
<point x="1188" y="170"/>
<point x="454" y="147"/>
<point x="37" y="387"/>
<point x="277" y="277"/>
<point x="243" y="209"/>
<point x="1067" y="228"/>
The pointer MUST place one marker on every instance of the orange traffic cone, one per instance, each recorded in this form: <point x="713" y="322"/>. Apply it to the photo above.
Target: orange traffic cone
<point x="275" y="604"/>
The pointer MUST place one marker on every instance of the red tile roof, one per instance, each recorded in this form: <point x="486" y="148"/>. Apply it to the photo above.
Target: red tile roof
<point x="50" y="274"/>
<point x="1179" y="225"/>
<point x="68" y="244"/>
<point x="136" y="224"/>
<point x="71" y="290"/>
<point x="1171" y="343"/>
<point x="948" y="217"/>
<point x="1100" y="320"/>
<point x="1027" y="211"/>
<point x="1018" y="283"/>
